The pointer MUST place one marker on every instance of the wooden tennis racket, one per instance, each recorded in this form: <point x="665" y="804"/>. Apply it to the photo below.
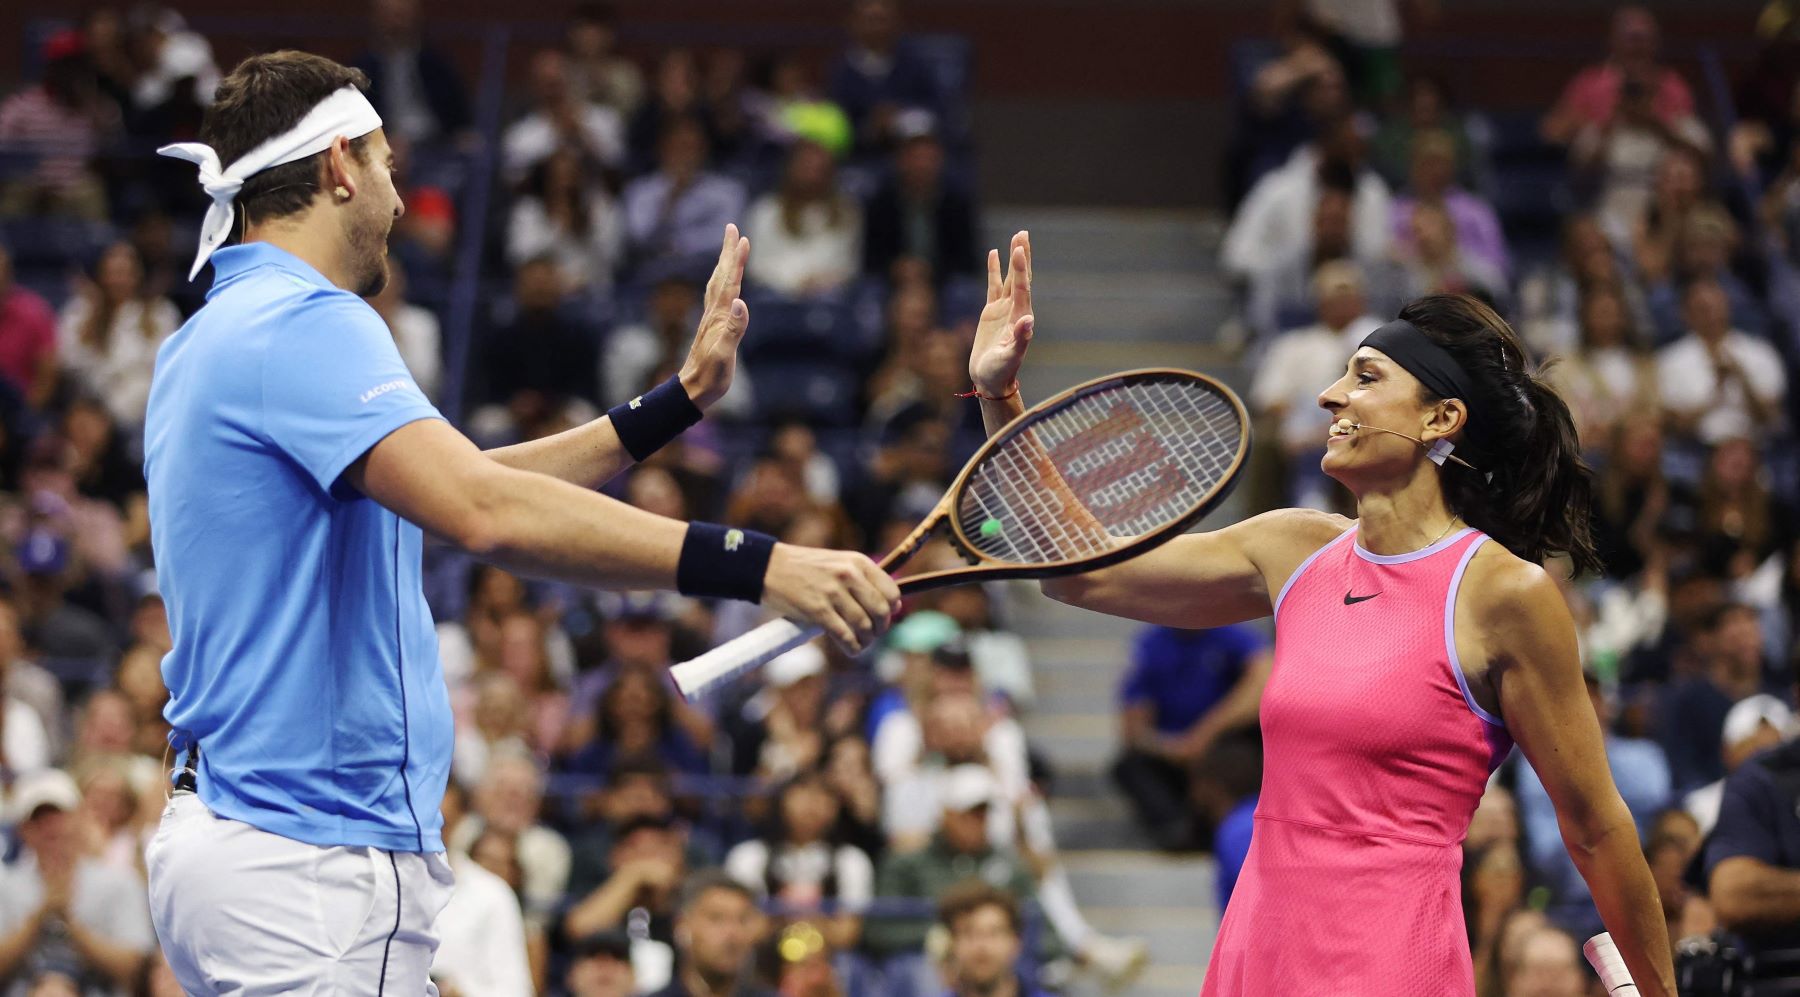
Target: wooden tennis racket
<point x="1103" y="472"/>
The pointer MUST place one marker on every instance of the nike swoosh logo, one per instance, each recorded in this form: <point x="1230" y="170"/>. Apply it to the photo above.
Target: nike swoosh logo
<point x="1351" y="600"/>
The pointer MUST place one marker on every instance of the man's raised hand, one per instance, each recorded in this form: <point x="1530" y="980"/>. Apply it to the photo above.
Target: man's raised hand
<point x="712" y="361"/>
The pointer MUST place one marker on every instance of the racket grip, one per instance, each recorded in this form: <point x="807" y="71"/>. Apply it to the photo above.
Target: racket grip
<point x="739" y="655"/>
<point x="1604" y="956"/>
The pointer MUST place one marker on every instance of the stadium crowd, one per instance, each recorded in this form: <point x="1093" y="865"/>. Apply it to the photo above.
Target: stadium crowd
<point x="838" y="827"/>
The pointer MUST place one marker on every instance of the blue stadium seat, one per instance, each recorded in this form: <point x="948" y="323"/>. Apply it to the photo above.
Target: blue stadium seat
<point x="54" y="241"/>
<point x="784" y="328"/>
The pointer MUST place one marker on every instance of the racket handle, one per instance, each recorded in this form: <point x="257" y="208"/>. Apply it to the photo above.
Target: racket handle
<point x="739" y="655"/>
<point x="1604" y="956"/>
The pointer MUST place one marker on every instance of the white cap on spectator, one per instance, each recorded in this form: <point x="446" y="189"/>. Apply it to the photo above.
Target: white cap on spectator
<point x="49" y="788"/>
<point x="802" y="662"/>
<point x="914" y="122"/>
<point x="966" y="787"/>
<point x="1750" y="713"/>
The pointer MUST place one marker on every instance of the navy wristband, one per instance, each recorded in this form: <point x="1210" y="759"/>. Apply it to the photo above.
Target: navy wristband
<point x="723" y="562"/>
<point x="648" y="422"/>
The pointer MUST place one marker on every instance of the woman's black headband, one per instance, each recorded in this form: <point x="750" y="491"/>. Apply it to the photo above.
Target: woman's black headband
<point x="1403" y="343"/>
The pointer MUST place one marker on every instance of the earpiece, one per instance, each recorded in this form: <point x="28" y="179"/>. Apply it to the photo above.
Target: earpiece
<point x="342" y="193"/>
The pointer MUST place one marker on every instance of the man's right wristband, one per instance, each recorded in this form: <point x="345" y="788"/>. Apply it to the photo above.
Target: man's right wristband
<point x="723" y="562"/>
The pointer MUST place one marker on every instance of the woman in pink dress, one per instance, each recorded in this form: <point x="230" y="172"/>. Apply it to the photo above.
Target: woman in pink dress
<point x="1414" y="645"/>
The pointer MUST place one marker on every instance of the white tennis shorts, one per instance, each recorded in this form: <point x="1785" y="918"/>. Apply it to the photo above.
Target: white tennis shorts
<point x="243" y="912"/>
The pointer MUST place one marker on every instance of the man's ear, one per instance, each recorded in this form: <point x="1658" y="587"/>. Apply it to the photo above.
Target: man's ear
<point x="338" y="170"/>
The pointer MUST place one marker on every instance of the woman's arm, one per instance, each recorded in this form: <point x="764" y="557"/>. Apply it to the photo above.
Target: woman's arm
<point x="1527" y="637"/>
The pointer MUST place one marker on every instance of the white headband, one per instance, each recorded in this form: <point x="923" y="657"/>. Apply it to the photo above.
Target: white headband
<point x="346" y="112"/>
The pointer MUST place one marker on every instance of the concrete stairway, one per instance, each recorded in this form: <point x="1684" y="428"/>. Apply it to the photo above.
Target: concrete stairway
<point x="1115" y="289"/>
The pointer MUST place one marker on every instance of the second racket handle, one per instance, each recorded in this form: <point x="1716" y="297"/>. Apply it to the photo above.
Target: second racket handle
<point x="1604" y="956"/>
<point x="739" y="655"/>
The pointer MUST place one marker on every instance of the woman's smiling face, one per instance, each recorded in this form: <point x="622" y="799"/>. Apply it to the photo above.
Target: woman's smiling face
<point x="1374" y="392"/>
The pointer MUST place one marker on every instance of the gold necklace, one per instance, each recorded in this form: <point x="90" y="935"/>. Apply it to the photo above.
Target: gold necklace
<point x="1446" y="532"/>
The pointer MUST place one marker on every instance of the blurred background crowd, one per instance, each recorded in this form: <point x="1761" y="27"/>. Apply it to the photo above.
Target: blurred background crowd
<point x="881" y="826"/>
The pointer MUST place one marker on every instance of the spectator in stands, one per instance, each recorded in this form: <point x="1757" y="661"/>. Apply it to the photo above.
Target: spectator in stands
<point x="1185" y="689"/>
<point x="798" y="863"/>
<point x="1425" y="107"/>
<point x="108" y="816"/>
<point x="1737" y="522"/>
<point x="1680" y="187"/>
<point x="472" y="643"/>
<point x="1753" y="725"/>
<point x="1630" y="499"/>
<point x="412" y="83"/>
<point x="676" y="94"/>
<point x="646" y="866"/>
<point x="1717" y="382"/>
<point x="1432" y="181"/>
<point x="1292" y="97"/>
<point x="29" y="683"/>
<point x="1610" y="378"/>
<point x="139" y="679"/>
<point x="851" y="776"/>
<point x="879" y="77"/>
<point x="424" y="239"/>
<point x="1285" y="389"/>
<point x="541" y="367"/>
<point x="733" y="129"/>
<point x="25" y="745"/>
<point x="780" y="733"/>
<point x="507" y="803"/>
<point x="1434" y="263"/>
<point x="601" y="967"/>
<point x="1001" y="659"/>
<point x="558" y="118"/>
<point x="598" y="74"/>
<point x="1275" y="225"/>
<point x="1227" y="786"/>
<point x="1702" y="251"/>
<point x="62" y="911"/>
<point x="566" y="215"/>
<point x="1752" y="864"/>
<point x="176" y="72"/>
<point x="1365" y="36"/>
<point x="1549" y="965"/>
<point x="674" y="215"/>
<point x="716" y="931"/>
<point x="807" y="232"/>
<point x="920" y="214"/>
<point x="1619" y="157"/>
<point x="61" y="122"/>
<point x="1601" y="94"/>
<point x="1686" y="912"/>
<point x="1550" y="296"/>
<point x="27" y="338"/>
<point x="986" y="942"/>
<point x="960" y="849"/>
<point x="481" y="935"/>
<point x="108" y="334"/>
<point x="1694" y="709"/>
<point x="1641" y="773"/>
<point x="523" y="656"/>
<point x="636" y="714"/>
<point x="495" y="721"/>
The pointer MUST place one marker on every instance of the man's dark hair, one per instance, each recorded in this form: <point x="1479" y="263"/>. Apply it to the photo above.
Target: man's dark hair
<point x="971" y="895"/>
<point x="704" y="881"/>
<point x="263" y="97"/>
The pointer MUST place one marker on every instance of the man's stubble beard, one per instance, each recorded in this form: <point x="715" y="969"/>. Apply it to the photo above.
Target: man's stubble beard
<point x="368" y="255"/>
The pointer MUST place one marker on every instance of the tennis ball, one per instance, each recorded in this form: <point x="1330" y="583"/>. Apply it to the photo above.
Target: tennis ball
<point x="990" y="527"/>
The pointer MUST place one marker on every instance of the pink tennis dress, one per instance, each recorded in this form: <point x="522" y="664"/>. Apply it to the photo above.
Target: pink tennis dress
<point x="1375" y="757"/>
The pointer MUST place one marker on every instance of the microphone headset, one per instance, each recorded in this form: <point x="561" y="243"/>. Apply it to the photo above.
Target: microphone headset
<point x="1437" y="452"/>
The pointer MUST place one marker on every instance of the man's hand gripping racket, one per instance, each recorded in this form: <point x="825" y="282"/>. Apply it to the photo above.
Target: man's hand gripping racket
<point x="1103" y="472"/>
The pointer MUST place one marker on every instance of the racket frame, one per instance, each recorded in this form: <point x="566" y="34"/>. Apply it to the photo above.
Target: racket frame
<point x="944" y="513"/>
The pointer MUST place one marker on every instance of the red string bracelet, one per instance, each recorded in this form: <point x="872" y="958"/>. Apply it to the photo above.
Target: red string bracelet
<point x="974" y="392"/>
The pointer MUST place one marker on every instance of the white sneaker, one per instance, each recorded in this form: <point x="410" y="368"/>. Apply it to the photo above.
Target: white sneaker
<point x="1117" y="961"/>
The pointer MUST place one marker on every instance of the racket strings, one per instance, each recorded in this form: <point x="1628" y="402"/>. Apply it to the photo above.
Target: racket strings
<point x="1116" y="463"/>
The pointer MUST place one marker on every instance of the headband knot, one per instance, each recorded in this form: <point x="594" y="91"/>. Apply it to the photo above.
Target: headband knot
<point x="346" y="112"/>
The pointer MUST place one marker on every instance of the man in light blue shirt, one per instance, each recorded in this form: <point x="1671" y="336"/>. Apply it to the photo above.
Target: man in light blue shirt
<point x="293" y="465"/>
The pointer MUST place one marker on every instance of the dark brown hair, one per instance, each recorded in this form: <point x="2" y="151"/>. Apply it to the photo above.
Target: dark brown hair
<point x="971" y="895"/>
<point x="263" y="97"/>
<point x="1533" y="492"/>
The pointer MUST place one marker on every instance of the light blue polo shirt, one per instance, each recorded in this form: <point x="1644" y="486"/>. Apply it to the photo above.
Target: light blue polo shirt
<point x="305" y="661"/>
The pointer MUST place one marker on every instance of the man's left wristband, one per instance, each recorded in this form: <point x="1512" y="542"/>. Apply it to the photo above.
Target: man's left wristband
<point x="723" y="562"/>
<point x="648" y="422"/>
